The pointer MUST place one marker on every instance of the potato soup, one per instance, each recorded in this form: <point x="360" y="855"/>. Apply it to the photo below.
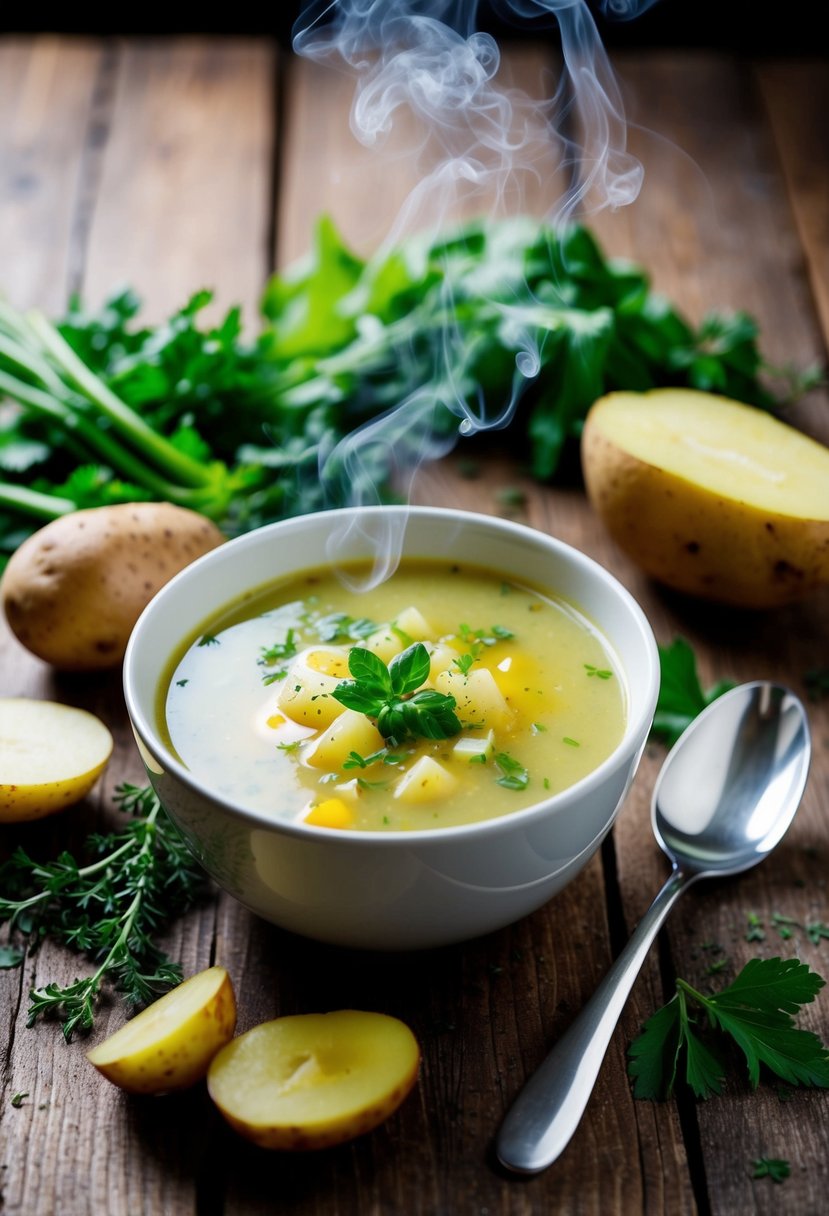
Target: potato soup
<point x="444" y="696"/>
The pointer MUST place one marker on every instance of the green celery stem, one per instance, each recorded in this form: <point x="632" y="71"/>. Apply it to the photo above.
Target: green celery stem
<point x="172" y="462"/>
<point x="32" y="502"/>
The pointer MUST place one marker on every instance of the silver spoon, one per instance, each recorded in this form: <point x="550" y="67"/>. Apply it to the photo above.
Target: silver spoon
<point x="724" y="798"/>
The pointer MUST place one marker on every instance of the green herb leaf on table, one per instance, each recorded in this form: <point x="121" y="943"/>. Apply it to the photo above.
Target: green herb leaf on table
<point x="10" y="957"/>
<point x="755" y="1011"/>
<point x="776" y="1168"/>
<point x="388" y="694"/>
<point x="108" y="908"/>
<point x="681" y="696"/>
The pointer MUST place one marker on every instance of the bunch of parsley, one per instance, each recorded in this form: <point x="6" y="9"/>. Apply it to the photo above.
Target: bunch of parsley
<point x="460" y="329"/>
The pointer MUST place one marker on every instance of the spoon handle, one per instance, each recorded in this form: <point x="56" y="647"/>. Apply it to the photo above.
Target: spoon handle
<point x="547" y="1111"/>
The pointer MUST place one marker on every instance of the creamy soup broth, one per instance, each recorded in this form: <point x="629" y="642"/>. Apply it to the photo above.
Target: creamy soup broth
<point x="248" y="705"/>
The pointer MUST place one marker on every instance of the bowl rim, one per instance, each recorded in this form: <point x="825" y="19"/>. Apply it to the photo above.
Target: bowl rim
<point x="148" y="736"/>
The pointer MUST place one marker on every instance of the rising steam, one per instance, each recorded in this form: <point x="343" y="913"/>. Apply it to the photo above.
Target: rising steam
<point x="479" y="141"/>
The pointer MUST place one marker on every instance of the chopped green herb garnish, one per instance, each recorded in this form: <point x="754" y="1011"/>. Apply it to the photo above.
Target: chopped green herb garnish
<point x="182" y="683"/>
<point x="513" y="775"/>
<point x="511" y="496"/>
<point x="208" y="640"/>
<point x="389" y="695"/>
<point x="463" y="663"/>
<point x="478" y="758"/>
<point x="570" y="742"/>
<point x="502" y="633"/>
<point x="546" y="782"/>
<point x="17" y="1099"/>
<point x="277" y="654"/>
<point x="755" y="933"/>
<point x="601" y="673"/>
<point x="538" y="728"/>
<point x="340" y="627"/>
<point x="754" y="1010"/>
<point x="291" y="745"/>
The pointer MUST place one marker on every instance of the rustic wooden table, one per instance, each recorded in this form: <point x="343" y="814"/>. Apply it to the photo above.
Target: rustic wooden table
<point x="178" y="163"/>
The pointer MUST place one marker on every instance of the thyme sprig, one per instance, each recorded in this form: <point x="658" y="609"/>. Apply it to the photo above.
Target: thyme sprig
<point x="109" y="909"/>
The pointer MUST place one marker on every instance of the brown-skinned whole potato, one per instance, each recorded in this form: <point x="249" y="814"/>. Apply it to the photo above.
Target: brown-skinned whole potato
<point x="74" y="589"/>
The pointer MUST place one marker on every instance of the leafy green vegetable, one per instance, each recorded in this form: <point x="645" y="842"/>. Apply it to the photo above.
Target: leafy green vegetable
<point x="776" y="1168"/>
<point x="681" y="697"/>
<point x="388" y="694"/>
<point x="140" y="878"/>
<point x="755" y="1011"/>
<point x="495" y="323"/>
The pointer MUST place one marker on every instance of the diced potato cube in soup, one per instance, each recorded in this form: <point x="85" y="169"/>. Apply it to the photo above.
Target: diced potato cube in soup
<point x="441" y="659"/>
<point x="472" y="747"/>
<point x="332" y="813"/>
<point x="384" y="644"/>
<point x="478" y="698"/>
<point x="349" y="732"/>
<point x="412" y="622"/>
<point x="305" y="695"/>
<point x="426" y="781"/>
<point x="349" y="791"/>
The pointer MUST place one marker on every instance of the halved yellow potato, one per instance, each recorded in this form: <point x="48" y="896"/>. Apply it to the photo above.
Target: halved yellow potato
<point x="313" y="1080"/>
<point x="709" y="496"/>
<point x="51" y="755"/>
<point x="170" y="1044"/>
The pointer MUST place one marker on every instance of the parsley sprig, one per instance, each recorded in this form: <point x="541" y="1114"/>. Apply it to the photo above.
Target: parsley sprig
<point x="681" y="695"/>
<point x="755" y="1011"/>
<point x="108" y="909"/>
<point x="388" y="694"/>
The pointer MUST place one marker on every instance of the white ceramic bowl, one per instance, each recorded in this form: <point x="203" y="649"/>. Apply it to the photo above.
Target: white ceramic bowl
<point x="402" y="890"/>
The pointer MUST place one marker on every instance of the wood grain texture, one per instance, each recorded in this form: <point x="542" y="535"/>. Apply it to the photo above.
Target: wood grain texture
<point x="183" y="200"/>
<point x="49" y="102"/>
<point x="154" y="161"/>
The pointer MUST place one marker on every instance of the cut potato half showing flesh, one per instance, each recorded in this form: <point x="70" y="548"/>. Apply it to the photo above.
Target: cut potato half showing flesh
<point x="313" y="1080"/>
<point x="170" y="1044"/>
<point x="51" y="755"/>
<point x="709" y="496"/>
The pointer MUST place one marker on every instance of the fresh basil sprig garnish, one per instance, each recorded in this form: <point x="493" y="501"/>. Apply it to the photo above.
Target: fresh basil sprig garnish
<point x="388" y="695"/>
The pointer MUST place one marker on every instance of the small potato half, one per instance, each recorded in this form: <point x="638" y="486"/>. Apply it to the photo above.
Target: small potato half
<point x="314" y="1080"/>
<point x="170" y="1044"/>
<point x="51" y="755"/>
<point x="73" y="591"/>
<point x="709" y="496"/>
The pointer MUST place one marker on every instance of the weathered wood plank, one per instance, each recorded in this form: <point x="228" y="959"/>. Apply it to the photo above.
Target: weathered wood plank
<point x="796" y="95"/>
<point x="375" y="193"/>
<point x="48" y="102"/>
<point x="183" y="201"/>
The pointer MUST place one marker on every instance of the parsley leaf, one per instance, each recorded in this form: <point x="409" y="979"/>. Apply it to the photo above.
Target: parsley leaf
<point x="776" y="1168"/>
<point x="388" y="694"/>
<point x="681" y="697"/>
<point x="755" y="1011"/>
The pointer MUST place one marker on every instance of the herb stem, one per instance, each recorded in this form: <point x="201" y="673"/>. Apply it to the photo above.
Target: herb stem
<point x="168" y="458"/>
<point x="31" y="502"/>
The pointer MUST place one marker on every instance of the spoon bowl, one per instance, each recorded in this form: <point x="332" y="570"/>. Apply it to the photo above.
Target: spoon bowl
<point x="726" y="795"/>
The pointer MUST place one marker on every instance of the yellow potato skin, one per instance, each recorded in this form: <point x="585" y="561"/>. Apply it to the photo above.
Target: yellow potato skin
<point x="74" y="589"/>
<point x="19" y="803"/>
<point x="180" y="1056"/>
<point x="325" y="1130"/>
<point x="699" y="542"/>
<point x="31" y="724"/>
